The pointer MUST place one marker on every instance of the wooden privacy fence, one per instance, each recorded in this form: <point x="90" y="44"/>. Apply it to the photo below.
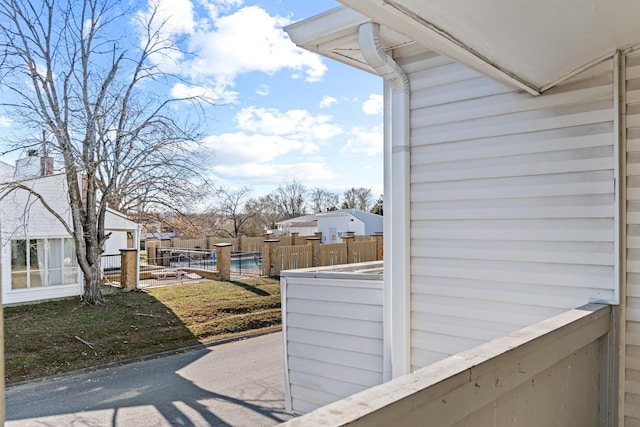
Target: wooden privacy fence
<point x="276" y="257"/>
<point x="283" y="252"/>
<point x="362" y="251"/>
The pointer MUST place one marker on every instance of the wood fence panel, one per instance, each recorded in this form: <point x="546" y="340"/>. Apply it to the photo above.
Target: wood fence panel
<point x="213" y="240"/>
<point x="333" y="254"/>
<point x="177" y="242"/>
<point x="362" y="251"/>
<point x="292" y="257"/>
<point x="251" y="244"/>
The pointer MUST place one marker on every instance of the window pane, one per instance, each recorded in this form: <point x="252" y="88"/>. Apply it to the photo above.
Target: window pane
<point x="70" y="263"/>
<point x="37" y="272"/>
<point x="70" y="259"/>
<point x="54" y="262"/>
<point x="54" y="255"/>
<point x="70" y="276"/>
<point x="18" y="264"/>
<point x="18" y="280"/>
<point x="36" y="278"/>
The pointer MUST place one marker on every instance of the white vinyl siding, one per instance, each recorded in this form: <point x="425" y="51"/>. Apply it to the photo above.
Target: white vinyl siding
<point x="24" y="217"/>
<point x="333" y="337"/>
<point x="632" y="335"/>
<point x="512" y="203"/>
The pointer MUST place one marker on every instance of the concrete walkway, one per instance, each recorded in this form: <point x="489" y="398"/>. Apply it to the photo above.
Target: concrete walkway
<point x="234" y="384"/>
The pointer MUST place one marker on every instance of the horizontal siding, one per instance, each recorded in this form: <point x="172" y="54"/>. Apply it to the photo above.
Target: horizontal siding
<point x="632" y="336"/>
<point x="24" y="215"/>
<point x="334" y="338"/>
<point x="512" y="203"/>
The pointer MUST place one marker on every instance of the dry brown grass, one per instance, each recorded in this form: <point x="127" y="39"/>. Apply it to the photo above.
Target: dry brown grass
<point x="45" y="339"/>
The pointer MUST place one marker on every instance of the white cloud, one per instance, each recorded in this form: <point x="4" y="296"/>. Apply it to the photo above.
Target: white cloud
<point x="271" y="146"/>
<point x="226" y="42"/>
<point x="263" y="90"/>
<point x="250" y="40"/>
<point x="215" y="8"/>
<point x="327" y="101"/>
<point x="367" y="141"/>
<point x="220" y="94"/>
<point x="298" y="123"/>
<point x="259" y="173"/>
<point x="166" y="21"/>
<point x="5" y="121"/>
<point x="373" y="105"/>
<point x="240" y="147"/>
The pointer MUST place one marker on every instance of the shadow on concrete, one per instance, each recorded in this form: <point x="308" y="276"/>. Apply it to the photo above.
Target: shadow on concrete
<point x="211" y="386"/>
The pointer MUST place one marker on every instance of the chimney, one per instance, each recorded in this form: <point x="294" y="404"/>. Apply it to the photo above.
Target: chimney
<point x="33" y="166"/>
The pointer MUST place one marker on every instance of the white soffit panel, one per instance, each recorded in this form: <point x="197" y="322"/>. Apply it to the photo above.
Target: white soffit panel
<point x="334" y="34"/>
<point x="532" y="42"/>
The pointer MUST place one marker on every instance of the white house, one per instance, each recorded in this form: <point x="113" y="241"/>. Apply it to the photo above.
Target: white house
<point x="305" y="225"/>
<point x="512" y="153"/>
<point x="37" y="256"/>
<point x="335" y="224"/>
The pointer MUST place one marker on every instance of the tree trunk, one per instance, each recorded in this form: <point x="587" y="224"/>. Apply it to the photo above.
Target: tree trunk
<point x="92" y="294"/>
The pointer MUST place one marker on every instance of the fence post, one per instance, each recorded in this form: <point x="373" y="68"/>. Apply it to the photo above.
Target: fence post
<point x="348" y="240"/>
<point x="314" y="242"/>
<point x="223" y="260"/>
<point x="350" y="233"/>
<point x="379" y="238"/>
<point x="294" y="238"/>
<point x="267" y="256"/>
<point x="128" y="268"/>
<point x="152" y="249"/>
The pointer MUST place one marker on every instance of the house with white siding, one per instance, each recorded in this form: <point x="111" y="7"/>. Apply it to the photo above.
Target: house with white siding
<point x="335" y="224"/>
<point x="305" y="225"/>
<point x="512" y="153"/>
<point x="37" y="256"/>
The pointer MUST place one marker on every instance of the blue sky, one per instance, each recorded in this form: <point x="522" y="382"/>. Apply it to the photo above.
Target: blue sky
<point x="295" y="115"/>
<point x="286" y="114"/>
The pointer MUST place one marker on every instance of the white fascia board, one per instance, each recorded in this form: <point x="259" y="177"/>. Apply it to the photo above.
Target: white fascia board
<point x="319" y="34"/>
<point x="427" y="34"/>
<point x="320" y="29"/>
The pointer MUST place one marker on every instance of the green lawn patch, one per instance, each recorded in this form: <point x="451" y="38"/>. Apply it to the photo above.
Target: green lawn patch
<point x="61" y="336"/>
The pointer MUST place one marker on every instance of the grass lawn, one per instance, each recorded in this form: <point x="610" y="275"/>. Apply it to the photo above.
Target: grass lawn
<point x="61" y="336"/>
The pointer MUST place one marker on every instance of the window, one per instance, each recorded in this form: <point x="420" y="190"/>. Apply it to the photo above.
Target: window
<point x="43" y="262"/>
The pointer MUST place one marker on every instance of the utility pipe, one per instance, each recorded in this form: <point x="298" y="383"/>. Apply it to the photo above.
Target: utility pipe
<point x="397" y="203"/>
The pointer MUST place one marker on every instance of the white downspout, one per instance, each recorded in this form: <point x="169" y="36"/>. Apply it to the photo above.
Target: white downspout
<point x="397" y="330"/>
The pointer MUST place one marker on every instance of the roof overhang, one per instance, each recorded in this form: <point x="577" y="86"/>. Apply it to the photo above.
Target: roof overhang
<point x="531" y="45"/>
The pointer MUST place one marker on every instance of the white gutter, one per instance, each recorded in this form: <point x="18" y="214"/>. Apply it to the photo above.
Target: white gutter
<point x="396" y="209"/>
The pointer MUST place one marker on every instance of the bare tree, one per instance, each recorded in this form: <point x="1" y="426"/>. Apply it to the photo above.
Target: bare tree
<point x="231" y="204"/>
<point x="72" y="73"/>
<point x="266" y="212"/>
<point x="357" y="198"/>
<point x="289" y="200"/>
<point x="323" y="200"/>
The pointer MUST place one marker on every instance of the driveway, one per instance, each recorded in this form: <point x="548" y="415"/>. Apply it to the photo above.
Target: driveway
<point x="234" y="384"/>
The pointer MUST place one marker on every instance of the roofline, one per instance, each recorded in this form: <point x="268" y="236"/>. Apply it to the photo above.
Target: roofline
<point x="311" y="33"/>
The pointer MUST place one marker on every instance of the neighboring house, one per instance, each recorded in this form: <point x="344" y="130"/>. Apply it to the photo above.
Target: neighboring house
<point x="305" y="225"/>
<point x="512" y="168"/>
<point x="335" y="224"/>
<point x="37" y="256"/>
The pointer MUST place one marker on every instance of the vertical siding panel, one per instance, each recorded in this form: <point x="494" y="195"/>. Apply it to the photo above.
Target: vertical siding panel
<point x="632" y="336"/>
<point x="512" y="203"/>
